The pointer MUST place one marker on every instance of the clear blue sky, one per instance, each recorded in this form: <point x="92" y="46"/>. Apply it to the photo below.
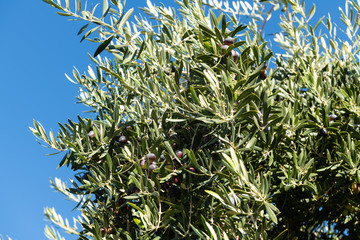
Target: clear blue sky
<point x="37" y="47"/>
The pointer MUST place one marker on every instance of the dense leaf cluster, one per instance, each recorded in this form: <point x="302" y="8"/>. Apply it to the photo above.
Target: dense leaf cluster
<point x="194" y="139"/>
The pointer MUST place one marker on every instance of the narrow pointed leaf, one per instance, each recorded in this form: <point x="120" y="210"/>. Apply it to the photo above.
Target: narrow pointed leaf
<point x="103" y="46"/>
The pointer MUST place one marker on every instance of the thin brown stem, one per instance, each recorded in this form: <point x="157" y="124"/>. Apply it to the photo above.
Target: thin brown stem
<point x="265" y="20"/>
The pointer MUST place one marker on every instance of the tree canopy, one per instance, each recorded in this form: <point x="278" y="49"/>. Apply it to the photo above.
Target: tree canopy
<point x="200" y="130"/>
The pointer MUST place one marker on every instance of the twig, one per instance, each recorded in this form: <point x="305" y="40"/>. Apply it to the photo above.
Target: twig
<point x="266" y="19"/>
<point x="190" y="210"/>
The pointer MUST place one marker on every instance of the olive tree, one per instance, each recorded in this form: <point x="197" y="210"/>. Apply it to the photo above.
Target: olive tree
<point x="199" y="131"/>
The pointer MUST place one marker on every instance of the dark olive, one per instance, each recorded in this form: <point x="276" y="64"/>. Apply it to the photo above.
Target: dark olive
<point x="152" y="167"/>
<point x="332" y="117"/>
<point x="263" y="75"/>
<point x="133" y="189"/>
<point x="279" y="98"/>
<point x="179" y="154"/>
<point x="151" y="157"/>
<point x="323" y="132"/>
<point x="122" y="140"/>
<point x="91" y="134"/>
<point x="229" y="41"/>
<point x="235" y="55"/>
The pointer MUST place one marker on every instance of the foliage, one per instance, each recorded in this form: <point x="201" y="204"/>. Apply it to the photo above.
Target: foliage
<point x="193" y="139"/>
<point x="8" y="238"/>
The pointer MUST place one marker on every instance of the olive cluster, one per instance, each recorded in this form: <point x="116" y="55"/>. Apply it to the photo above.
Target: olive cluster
<point x="172" y="169"/>
<point x="228" y="42"/>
